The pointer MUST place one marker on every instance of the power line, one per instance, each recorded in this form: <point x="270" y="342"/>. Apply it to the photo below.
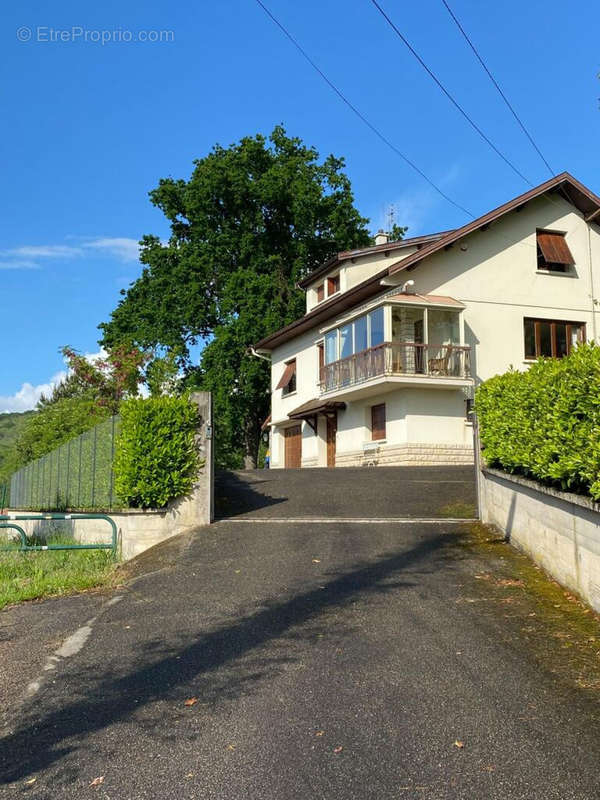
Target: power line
<point x="359" y="114"/>
<point x="448" y="95"/>
<point x="495" y="82"/>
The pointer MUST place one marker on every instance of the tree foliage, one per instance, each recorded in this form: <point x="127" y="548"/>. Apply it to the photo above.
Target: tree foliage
<point x="91" y="391"/>
<point x="253" y="219"/>
<point x="545" y="423"/>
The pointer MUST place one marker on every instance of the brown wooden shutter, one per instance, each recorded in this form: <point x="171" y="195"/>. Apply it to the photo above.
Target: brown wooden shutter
<point x="320" y="292"/>
<point x="378" y="422"/>
<point x="333" y="284"/>
<point x="554" y="248"/>
<point x="288" y="374"/>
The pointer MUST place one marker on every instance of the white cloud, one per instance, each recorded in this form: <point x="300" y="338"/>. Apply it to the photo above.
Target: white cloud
<point x="45" y="251"/>
<point x="123" y="248"/>
<point x="19" y="263"/>
<point x="27" y="396"/>
<point x="417" y="206"/>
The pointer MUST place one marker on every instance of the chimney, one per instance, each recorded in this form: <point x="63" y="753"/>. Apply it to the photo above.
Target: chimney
<point x="381" y="237"/>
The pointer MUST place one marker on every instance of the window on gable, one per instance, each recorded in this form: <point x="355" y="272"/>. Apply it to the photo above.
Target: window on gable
<point x="288" y="380"/>
<point x="551" y="338"/>
<point x="320" y="292"/>
<point x="378" y="422"/>
<point x="553" y="253"/>
<point x="333" y="285"/>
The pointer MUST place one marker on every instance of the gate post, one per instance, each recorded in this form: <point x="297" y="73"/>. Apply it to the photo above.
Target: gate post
<point x="202" y="499"/>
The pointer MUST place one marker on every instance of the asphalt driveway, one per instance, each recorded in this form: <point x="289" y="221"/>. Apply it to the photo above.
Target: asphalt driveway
<point x="347" y="493"/>
<point x="275" y="661"/>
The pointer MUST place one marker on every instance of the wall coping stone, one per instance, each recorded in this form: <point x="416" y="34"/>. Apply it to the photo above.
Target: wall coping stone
<point x="529" y="483"/>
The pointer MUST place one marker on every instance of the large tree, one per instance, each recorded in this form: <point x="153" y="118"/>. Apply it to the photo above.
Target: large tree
<point x="252" y="220"/>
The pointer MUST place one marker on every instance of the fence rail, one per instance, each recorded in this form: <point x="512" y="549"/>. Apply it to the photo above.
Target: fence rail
<point x="78" y="474"/>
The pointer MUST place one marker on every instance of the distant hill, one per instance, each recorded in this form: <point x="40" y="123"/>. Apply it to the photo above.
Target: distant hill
<point x="10" y="425"/>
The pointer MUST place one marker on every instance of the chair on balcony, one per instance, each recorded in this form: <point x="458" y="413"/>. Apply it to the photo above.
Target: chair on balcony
<point x="439" y="366"/>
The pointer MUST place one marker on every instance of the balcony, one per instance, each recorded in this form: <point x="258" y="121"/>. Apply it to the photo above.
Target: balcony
<point x="399" y="362"/>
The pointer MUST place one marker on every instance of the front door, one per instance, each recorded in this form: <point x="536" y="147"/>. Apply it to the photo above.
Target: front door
<point x="331" y="436"/>
<point x="293" y="447"/>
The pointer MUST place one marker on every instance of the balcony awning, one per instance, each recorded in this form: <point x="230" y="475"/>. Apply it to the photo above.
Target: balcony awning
<point x="314" y="407"/>
<point x="426" y="300"/>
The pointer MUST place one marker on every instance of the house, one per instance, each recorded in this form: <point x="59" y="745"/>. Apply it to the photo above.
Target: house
<point x="382" y="366"/>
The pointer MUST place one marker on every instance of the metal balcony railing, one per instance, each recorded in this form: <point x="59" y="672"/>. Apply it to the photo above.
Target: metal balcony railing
<point x="397" y="358"/>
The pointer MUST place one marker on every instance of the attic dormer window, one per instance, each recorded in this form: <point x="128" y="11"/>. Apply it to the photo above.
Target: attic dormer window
<point x="333" y="285"/>
<point x="553" y="252"/>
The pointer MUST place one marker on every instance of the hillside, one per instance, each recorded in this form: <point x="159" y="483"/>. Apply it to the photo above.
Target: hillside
<point x="10" y="425"/>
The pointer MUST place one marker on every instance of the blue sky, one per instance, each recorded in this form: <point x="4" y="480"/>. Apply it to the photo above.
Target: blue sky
<point x="89" y="129"/>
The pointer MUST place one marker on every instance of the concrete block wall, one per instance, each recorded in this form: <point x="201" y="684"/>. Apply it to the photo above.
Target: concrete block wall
<point x="558" y="530"/>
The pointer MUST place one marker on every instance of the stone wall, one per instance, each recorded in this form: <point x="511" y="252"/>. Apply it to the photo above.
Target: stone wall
<point x="140" y="529"/>
<point x="420" y="455"/>
<point x="558" y="530"/>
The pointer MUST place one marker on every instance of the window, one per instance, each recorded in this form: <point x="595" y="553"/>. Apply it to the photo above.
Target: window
<point x="320" y="292"/>
<point x="551" y="338"/>
<point x="333" y="285"/>
<point x="288" y="380"/>
<point x="346" y="347"/>
<point x="360" y="334"/>
<point x="553" y="252"/>
<point x="321" y="358"/>
<point x="331" y="340"/>
<point x="378" y="422"/>
<point x="355" y="337"/>
<point x="376" y="327"/>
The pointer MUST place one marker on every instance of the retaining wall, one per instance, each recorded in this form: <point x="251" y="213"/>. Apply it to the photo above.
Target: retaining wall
<point x="558" y="530"/>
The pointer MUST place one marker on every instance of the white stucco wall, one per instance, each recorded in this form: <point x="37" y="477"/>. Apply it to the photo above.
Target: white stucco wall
<point x="353" y="272"/>
<point x="496" y="278"/>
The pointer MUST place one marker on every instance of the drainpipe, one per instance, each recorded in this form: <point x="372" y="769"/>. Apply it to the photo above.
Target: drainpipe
<point x="589" y="231"/>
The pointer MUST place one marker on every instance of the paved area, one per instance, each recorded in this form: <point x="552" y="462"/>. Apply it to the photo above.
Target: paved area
<point x="279" y="662"/>
<point x="361" y="492"/>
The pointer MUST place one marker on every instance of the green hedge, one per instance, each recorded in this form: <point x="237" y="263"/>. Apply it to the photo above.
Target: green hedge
<point x="156" y="458"/>
<point x="545" y="423"/>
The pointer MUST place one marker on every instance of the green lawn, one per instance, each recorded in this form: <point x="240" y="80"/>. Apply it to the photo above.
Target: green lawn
<point x="27" y="576"/>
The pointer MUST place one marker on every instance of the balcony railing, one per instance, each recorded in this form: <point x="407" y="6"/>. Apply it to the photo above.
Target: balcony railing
<point x="396" y="359"/>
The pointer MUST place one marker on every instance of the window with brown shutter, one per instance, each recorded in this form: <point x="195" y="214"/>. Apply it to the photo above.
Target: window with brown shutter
<point x="378" y="422"/>
<point x="553" y="252"/>
<point x="320" y="292"/>
<point x="288" y="379"/>
<point x="321" y="352"/>
<point x="333" y="285"/>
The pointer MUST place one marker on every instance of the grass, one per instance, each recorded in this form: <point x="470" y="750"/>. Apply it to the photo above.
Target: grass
<point x="458" y="510"/>
<point x="47" y="573"/>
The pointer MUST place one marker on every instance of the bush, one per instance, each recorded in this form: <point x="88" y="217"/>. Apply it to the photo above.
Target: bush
<point x="545" y="423"/>
<point x="156" y="458"/>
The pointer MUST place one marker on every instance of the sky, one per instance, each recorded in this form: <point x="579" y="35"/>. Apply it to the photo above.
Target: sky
<point x="90" y="127"/>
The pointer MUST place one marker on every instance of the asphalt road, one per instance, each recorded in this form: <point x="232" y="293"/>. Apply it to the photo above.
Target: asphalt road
<point x="344" y="661"/>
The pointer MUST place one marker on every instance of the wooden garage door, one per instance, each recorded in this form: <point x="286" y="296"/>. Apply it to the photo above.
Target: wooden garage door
<point x="293" y="447"/>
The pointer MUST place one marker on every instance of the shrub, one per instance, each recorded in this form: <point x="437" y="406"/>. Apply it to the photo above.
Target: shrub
<point x="545" y="423"/>
<point x="156" y="458"/>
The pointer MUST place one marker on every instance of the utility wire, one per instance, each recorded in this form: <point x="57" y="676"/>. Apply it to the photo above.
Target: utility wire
<point x="359" y="114"/>
<point x="495" y="82"/>
<point x="448" y="95"/>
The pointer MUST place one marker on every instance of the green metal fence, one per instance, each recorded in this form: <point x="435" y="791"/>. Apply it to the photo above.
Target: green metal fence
<point x="78" y="474"/>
